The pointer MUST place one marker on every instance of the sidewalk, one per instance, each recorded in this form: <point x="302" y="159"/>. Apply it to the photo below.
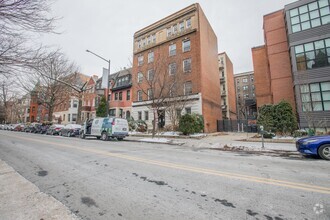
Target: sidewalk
<point x="222" y="140"/>
<point x="20" y="199"/>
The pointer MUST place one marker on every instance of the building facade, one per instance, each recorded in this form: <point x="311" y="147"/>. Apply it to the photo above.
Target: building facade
<point x="120" y="104"/>
<point x="308" y="28"/>
<point x="227" y="87"/>
<point x="245" y="96"/>
<point x="90" y="99"/>
<point x="179" y="53"/>
<point x="294" y="63"/>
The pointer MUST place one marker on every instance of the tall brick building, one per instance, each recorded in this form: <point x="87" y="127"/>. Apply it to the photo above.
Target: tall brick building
<point x="182" y="46"/>
<point x="294" y="63"/>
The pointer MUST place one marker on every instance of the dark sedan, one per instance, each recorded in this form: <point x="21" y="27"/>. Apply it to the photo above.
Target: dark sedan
<point x="55" y="129"/>
<point x="71" y="130"/>
<point x="316" y="145"/>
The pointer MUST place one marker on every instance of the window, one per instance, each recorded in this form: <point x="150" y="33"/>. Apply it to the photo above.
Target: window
<point x="169" y="31"/>
<point x="150" y="57"/>
<point x="222" y="74"/>
<point x="181" y="26"/>
<point x="153" y="38"/>
<point x="64" y="117"/>
<point x="172" y="49"/>
<point x="144" y="42"/>
<point x="146" y="115"/>
<point x="75" y="104"/>
<point x="237" y="81"/>
<point x="313" y="55"/>
<point x="315" y="97"/>
<point x="150" y="94"/>
<point x="309" y="16"/>
<point x="120" y="95"/>
<point x="172" y="68"/>
<point x="246" y="96"/>
<point x="139" y="44"/>
<point x="112" y="112"/>
<point x="187" y="65"/>
<point x="140" y="77"/>
<point x="149" y="39"/>
<point x="151" y="75"/>
<point x="178" y="113"/>
<point x="188" y="110"/>
<point x="68" y="117"/>
<point x="74" y="117"/>
<point x="244" y="80"/>
<point x="139" y="95"/>
<point x="140" y="60"/>
<point x="252" y="79"/>
<point x="188" y="23"/>
<point x="188" y="88"/>
<point x="175" y="29"/>
<point x="245" y="88"/>
<point x="139" y="115"/>
<point x="116" y="96"/>
<point x="128" y="95"/>
<point x="185" y="45"/>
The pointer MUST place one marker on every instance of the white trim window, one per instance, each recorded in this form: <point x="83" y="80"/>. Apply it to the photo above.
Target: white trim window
<point x="187" y="65"/>
<point x="140" y="77"/>
<point x="188" y="88"/>
<point x="175" y="29"/>
<point x="150" y="94"/>
<point x="185" y="45"/>
<point x="151" y="75"/>
<point x="140" y="60"/>
<point x="181" y="26"/>
<point x="153" y="38"/>
<point x="172" y="50"/>
<point x="169" y="31"/>
<point x="139" y="95"/>
<point x="150" y="57"/>
<point x="188" y="23"/>
<point x="172" y="68"/>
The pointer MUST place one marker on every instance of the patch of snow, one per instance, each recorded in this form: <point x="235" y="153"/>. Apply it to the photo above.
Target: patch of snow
<point x="171" y="133"/>
<point x="155" y="140"/>
<point x="198" y="135"/>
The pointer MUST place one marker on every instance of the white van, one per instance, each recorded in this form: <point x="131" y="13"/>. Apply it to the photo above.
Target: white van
<point x="105" y="128"/>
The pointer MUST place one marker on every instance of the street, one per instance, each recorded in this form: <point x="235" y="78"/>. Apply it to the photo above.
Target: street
<point x="130" y="180"/>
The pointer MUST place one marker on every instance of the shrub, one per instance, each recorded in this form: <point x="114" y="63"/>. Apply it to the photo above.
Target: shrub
<point x="268" y="135"/>
<point x="141" y="126"/>
<point x="191" y="123"/>
<point x="299" y="133"/>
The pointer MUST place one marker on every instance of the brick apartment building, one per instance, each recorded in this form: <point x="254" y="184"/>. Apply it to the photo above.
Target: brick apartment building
<point x="182" y="46"/>
<point x="294" y="63"/>
<point x="227" y="87"/>
<point x="120" y="104"/>
<point x="89" y="99"/>
<point x="245" y="96"/>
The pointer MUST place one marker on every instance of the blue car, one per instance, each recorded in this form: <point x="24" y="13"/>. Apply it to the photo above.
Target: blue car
<point x="316" y="145"/>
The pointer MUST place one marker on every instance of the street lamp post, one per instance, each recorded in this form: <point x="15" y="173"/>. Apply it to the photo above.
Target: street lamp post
<point x="108" y="61"/>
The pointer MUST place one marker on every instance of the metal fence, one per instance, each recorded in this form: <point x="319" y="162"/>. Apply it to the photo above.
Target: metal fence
<point x="228" y="125"/>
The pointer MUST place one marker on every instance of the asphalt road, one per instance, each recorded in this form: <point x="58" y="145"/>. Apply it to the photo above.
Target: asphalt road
<point x="129" y="180"/>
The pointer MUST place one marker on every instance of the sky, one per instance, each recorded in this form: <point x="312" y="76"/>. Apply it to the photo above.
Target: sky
<point x="106" y="27"/>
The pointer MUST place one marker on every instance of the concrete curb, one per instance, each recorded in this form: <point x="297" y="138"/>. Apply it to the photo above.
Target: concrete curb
<point x="282" y="141"/>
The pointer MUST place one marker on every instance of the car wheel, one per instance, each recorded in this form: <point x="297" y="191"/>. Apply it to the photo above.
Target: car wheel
<point x="324" y="151"/>
<point x="104" y="136"/>
<point x="82" y="135"/>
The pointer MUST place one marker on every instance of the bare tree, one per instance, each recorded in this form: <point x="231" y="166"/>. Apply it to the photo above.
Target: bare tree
<point x="53" y="78"/>
<point x="18" y="20"/>
<point x="162" y="83"/>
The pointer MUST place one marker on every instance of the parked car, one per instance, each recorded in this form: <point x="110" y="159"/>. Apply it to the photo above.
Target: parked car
<point x="18" y="127"/>
<point x="105" y="128"/>
<point x="316" y="145"/>
<point x="54" y="129"/>
<point x="71" y="130"/>
<point x="2" y="127"/>
<point x="42" y="129"/>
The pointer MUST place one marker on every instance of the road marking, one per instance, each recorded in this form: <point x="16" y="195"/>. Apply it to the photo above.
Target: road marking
<point x="288" y="184"/>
